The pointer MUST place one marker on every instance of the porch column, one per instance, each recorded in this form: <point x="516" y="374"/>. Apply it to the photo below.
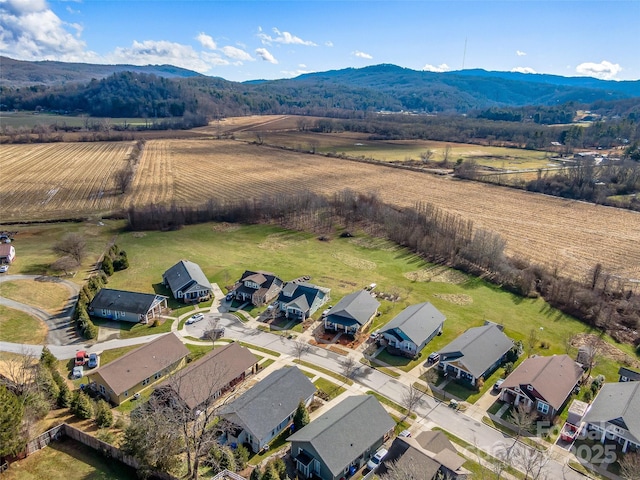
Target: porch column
<point x="604" y="436"/>
<point x="458" y="371"/>
<point x="624" y="447"/>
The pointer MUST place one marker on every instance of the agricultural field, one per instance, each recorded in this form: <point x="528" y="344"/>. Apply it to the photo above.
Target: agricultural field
<point x="32" y="119"/>
<point x="60" y="180"/>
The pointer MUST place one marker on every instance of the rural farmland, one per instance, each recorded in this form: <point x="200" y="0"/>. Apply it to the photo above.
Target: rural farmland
<point x="68" y="180"/>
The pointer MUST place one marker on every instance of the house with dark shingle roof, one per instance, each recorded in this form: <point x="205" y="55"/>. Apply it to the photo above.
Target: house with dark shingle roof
<point x="414" y="327"/>
<point x="187" y="282"/>
<point x="267" y="408"/>
<point x="352" y="313"/>
<point x="342" y="439"/>
<point x="122" y="378"/>
<point x="301" y="300"/>
<point x="476" y="353"/>
<point x="627" y="375"/>
<point x="209" y="377"/>
<point x="542" y="383"/>
<point x="615" y="414"/>
<point x="259" y="288"/>
<point x="127" y="306"/>
<point x="429" y="456"/>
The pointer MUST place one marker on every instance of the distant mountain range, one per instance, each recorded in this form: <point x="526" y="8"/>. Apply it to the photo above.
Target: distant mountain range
<point x="374" y="88"/>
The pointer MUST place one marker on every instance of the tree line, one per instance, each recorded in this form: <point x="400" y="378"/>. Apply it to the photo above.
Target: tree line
<point x="602" y="301"/>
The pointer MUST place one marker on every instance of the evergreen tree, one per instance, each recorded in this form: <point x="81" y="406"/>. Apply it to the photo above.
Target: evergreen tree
<point x="270" y="473"/>
<point x="242" y="457"/>
<point x="81" y="405"/>
<point x="47" y="358"/>
<point x="104" y="415"/>
<point x="11" y="440"/>
<point x="64" y="396"/>
<point x="301" y="417"/>
<point x="256" y="474"/>
<point x="228" y="461"/>
<point x="107" y="265"/>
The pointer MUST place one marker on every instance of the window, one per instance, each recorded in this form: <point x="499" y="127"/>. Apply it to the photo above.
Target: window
<point x="543" y="408"/>
<point x="126" y="393"/>
<point x="146" y="381"/>
<point x="530" y="388"/>
<point x="157" y="375"/>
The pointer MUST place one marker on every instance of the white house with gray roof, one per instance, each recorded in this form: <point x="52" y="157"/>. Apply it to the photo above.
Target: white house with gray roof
<point x="267" y="408"/>
<point x="615" y="414"/>
<point x="414" y="327"/>
<point x="127" y="306"/>
<point x="187" y="282"/>
<point x="352" y="313"/>
<point x="301" y="300"/>
<point x="342" y="439"/>
<point x="476" y="353"/>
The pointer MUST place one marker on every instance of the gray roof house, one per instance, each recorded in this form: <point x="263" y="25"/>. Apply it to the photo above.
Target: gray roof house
<point x="476" y="353"/>
<point x="410" y="331"/>
<point x="615" y="414"/>
<point x="342" y="439"/>
<point x="187" y="282"/>
<point x="267" y="408"/>
<point x="352" y="313"/>
<point x="258" y="288"/>
<point x="301" y="300"/>
<point x="628" y="375"/>
<point x="127" y="306"/>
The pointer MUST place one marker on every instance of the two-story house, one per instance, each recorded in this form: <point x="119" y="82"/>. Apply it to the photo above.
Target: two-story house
<point x="301" y="300"/>
<point x="258" y="288"/>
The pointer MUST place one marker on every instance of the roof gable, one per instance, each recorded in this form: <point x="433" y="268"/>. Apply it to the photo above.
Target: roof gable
<point x="618" y="403"/>
<point x="417" y="322"/>
<point x="357" y="307"/>
<point x="143" y="362"/>
<point x="342" y="433"/>
<point x="183" y="273"/>
<point x="271" y="400"/>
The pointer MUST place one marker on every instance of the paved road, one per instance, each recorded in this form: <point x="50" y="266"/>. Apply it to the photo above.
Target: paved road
<point x="61" y="330"/>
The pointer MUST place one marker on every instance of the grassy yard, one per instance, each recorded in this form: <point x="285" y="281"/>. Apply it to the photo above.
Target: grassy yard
<point x="68" y="460"/>
<point x="19" y="327"/>
<point x="329" y="388"/>
<point x="337" y="376"/>
<point x="390" y="403"/>
<point x="48" y="296"/>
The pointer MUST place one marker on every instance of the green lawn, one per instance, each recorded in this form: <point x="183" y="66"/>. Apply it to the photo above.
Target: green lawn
<point x="329" y="388"/>
<point x="19" y="327"/>
<point x="337" y="376"/>
<point x="391" y="403"/>
<point x="48" y="296"/>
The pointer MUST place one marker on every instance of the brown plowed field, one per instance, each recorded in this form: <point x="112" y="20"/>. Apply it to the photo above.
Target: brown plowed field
<point x="59" y="180"/>
<point x="572" y="236"/>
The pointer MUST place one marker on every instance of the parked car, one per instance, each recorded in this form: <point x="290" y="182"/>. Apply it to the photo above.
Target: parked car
<point x="77" y="372"/>
<point x="81" y="358"/>
<point x="94" y="360"/>
<point x="374" y="335"/>
<point x="229" y="296"/>
<point x="4" y="268"/>
<point x="374" y="461"/>
<point x="496" y="386"/>
<point x="326" y="311"/>
<point x="433" y="358"/>
<point x="195" y="318"/>
<point x="404" y="433"/>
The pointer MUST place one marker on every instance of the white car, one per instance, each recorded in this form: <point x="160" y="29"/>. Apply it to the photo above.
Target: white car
<point x="4" y="268"/>
<point x="195" y="318"/>
<point x="77" y="372"/>
<point x="374" y="461"/>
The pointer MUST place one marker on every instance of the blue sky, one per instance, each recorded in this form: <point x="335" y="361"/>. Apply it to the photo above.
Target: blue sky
<point x="250" y="39"/>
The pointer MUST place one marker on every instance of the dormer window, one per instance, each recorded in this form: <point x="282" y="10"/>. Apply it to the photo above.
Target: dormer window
<point x="530" y="388"/>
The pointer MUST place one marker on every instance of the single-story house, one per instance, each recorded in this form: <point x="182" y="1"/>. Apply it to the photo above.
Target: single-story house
<point x="410" y="331"/>
<point x="542" y="383"/>
<point x="7" y="253"/>
<point x="342" y="439"/>
<point x="353" y="313"/>
<point x="259" y="288"/>
<point x="267" y="408"/>
<point x="301" y="300"/>
<point x="127" y="306"/>
<point x="627" y="375"/>
<point x="476" y="353"/>
<point x="187" y="282"/>
<point x="197" y="385"/>
<point x="615" y="414"/>
<point x="122" y="378"/>
<point x="429" y="456"/>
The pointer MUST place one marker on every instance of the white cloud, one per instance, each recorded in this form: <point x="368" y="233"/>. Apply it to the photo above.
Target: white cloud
<point x="523" y="70"/>
<point x="72" y="11"/>
<point x="162" y="52"/>
<point x="360" y="54"/>
<point x="604" y="70"/>
<point x="443" y="67"/>
<point x="284" y="38"/>
<point x="236" y="53"/>
<point x="294" y="73"/>
<point x="266" y="55"/>
<point x="30" y="30"/>
<point x="520" y="53"/>
<point x="206" y="41"/>
<point x="328" y="43"/>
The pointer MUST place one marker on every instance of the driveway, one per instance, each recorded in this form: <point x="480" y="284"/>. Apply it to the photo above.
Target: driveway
<point x="60" y="327"/>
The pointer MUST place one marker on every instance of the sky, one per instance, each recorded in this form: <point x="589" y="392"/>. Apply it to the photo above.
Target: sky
<point x="252" y="39"/>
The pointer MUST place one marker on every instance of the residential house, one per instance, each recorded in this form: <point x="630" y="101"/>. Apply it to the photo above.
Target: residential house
<point x="627" y="375"/>
<point x="342" y="439"/>
<point x="429" y="456"/>
<point x="197" y="385"/>
<point x="187" y="282"/>
<point x="353" y="313"/>
<point x="410" y="331"/>
<point x="267" y="408"/>
<point x="122" y="378"/>
<point x="301" y="300"/>
<point x="127" y="306"/>
<point x="542" y="383"/>
<point x="258" y="288"/>
<point x="476" y="353"/>
<point x="615" y="414"/>
<point x="7" y="253"/>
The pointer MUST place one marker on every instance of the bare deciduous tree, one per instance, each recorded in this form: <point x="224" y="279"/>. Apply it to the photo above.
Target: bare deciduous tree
<point x="123" y="178"/>
<point x="411" y="398"/>
<point x="533" y="462"/>
<point x="72" y="245"/>
<point x="522" y="419"/>
<point x="349" y="366"/>
<point x="65" y="264"/>
<point x="532" y="340"/>
<point x="427" y="155"/>
<point x="630" y="466"/>
<point x="301" y="348"/>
